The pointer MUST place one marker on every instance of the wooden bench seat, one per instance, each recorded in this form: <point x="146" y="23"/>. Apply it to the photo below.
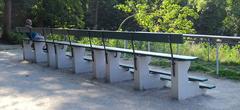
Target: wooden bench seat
<point x="201" y="85"/>
<point x="206" y="86"/>
<point x="154" y="71"/>
<point x="88" y="58"/>
<point x="130" y="51"/>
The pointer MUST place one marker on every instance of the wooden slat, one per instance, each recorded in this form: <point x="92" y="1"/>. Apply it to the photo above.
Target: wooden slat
<point x="37" y="30"/>
<point x="158" y="37"/>
<point x="96" y="33"/>
<point x="22" y="29"/>
<point x="166" y="55"/>
<point x="78" y="33"/>
<point x="59" y="31"/>
<point x="138" y="36"/>
<point x="117" y="35"/>
<point x="206" y="86"/>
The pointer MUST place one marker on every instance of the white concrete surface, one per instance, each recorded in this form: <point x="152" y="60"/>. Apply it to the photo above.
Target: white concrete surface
<point x="40" y="55"/>
<point x="142" y="79"/>
<point x="63" y="61"/>
<point x="29" y="86"/>
<point x="113" y="71"/>
<point x="181" y="87"/>
<point x="52" y="59"/>
<point x="28" y="52"/>
<point x="99" y="64"/>
<point x="81" y="65"/>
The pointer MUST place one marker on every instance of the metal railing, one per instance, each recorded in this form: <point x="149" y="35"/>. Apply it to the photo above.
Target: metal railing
<point x="216" y="40"/>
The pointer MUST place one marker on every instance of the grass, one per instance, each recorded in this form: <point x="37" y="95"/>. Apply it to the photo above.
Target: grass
<point x="226" y="70"/>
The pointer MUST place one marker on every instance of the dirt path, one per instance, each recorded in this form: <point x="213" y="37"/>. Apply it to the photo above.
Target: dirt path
<point x="25" y="86"/>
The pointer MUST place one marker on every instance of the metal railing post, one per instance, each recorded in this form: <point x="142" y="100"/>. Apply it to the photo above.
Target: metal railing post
<point x="209" y="49"/>
<point x="125" y="47"/>
<point x="149" y="46"/>
<point x="217" y="58"/>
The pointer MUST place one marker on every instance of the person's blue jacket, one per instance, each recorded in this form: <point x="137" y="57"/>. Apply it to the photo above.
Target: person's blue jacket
<point x="31" y="35"/>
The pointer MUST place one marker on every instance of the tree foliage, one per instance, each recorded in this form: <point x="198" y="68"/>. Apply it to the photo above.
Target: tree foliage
<point x="232" y="20"/>
<point x="176" y="16"/>
<point x="59" y="13"/>
<point x="101" y="14"/>
<point x="7" y="22"/>
<point x="211" y="17"/>
<point x="161" y="15"/>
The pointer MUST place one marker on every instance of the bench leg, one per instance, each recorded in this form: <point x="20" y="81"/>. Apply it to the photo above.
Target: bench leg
<point x="63" y="61"/>
<point x="114" y="72"/>
<point x="40" y="55"/>
<point x="52" y="60"/>
<point x="181" y="87"/>
<point x="99" y="64"/>
<point x="80" y="65"/>
<point x="142" y="78"/>
<point x="28" y="52"/>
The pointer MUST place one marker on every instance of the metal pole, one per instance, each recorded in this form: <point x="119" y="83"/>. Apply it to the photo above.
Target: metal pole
<point x="177" y="48"/>
<point x="172" y="60"/>
<point x="149" y="46"/>
<point x="125" y="47"/>
<point x="208" y="49"/>
<point x="217" y="58"/>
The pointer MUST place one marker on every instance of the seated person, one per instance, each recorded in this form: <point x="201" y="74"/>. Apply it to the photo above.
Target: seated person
<point x="33" y="35"/>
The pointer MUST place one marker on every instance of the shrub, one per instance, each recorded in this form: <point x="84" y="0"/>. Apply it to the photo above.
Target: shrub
<point x="16" y="38"/>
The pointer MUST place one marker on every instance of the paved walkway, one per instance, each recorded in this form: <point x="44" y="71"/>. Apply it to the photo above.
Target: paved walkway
<point x="25" y="86"/>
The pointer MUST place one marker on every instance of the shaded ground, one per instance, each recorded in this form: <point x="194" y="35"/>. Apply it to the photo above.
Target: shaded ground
<point x="25" y="86"/>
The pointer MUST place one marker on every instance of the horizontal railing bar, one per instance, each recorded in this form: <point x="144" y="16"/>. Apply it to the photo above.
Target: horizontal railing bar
<point x="139" y="36"/>
<point x="211" y="36"/>
<point x="127" y="35"/>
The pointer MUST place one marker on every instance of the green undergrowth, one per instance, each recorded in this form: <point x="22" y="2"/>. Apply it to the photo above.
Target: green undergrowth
<point x="226" y="70"/>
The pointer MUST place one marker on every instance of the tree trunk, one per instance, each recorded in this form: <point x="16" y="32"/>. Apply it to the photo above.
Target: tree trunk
<point x="7" y="22"/>
<point x="96" y="15"/>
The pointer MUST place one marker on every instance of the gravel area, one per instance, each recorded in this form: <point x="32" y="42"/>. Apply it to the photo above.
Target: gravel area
<point x="27" y="86"/>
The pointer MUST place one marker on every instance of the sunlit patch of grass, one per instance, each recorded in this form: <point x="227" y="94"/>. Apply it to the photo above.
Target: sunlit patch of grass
<point x="226" y="70"/>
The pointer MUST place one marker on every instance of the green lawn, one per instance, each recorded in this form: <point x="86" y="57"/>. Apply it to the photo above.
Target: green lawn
<point x="230" y="71"/>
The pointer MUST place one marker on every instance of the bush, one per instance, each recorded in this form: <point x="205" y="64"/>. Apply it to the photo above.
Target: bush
<point x="16" y="38"/>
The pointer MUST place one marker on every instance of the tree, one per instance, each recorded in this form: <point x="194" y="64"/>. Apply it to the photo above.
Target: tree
<point x="1" y="10"/>
<point x="7" y="20"/>
<point x="101" y="14"/>
<point x="161" y="15"/>
<point x="212" y="14"/>
<point x="22" y="10"/>
<point x="59" y="13"/>
<point x="232" y="20"/>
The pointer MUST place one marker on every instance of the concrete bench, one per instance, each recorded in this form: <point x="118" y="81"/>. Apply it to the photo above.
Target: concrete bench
<point x="183" y="86"/>
<point x="167" y="76"/>
<point x="28" y="52"/>
<point x="60" y="58"/>
<point x="142" y="79"/>
<point x="106" y="63"/>
<point x="154" y="71"/>
<point x="33" y="51"/>
<point x="201" y="85"/>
